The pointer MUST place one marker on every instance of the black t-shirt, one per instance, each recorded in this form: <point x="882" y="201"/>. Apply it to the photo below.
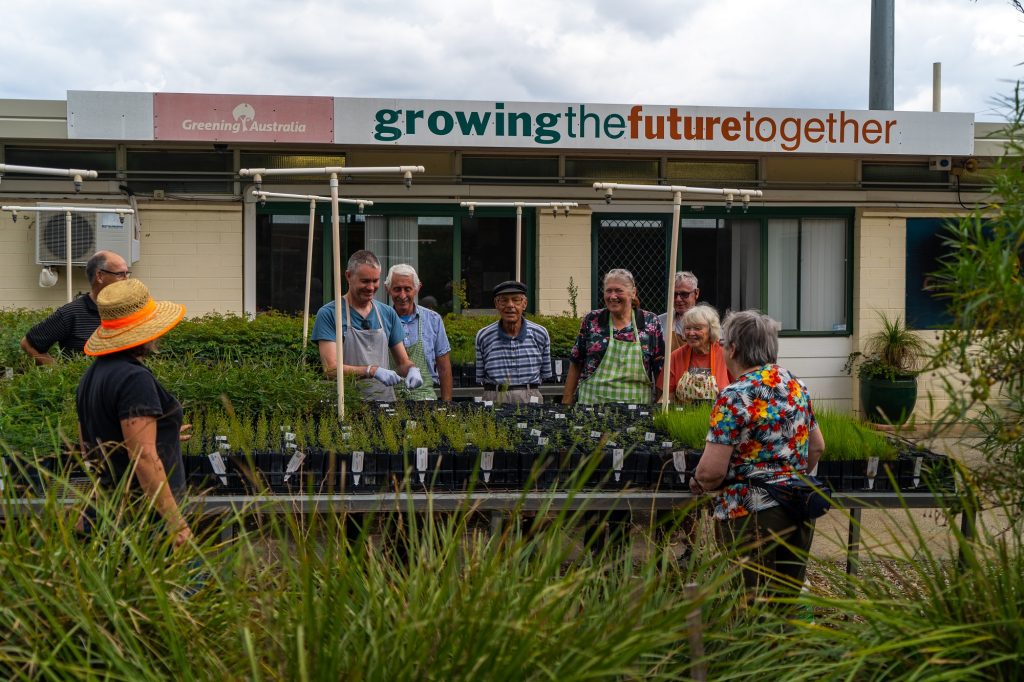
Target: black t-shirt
<point x="70" y="326"/>
<point x="117" y="387"/>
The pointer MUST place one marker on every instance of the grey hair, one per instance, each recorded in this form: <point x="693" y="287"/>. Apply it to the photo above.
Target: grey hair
<point x="402" y="270"/>
<point x="686" y="277"/>
<point x="620" y="274"/>
<point x="95" y="264"/>
<point x="362" y="257"/>
<point x="705" y="314"/>
<point x="755" y="337"/>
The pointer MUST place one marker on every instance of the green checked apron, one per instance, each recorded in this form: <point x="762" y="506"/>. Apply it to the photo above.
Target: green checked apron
<point x="418" y="355"/>
<point x="620" y="378"/>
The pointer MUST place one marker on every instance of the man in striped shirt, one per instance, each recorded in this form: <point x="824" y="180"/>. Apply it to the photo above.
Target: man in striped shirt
<point x="513" y="355"/>
<point x="73" y="323"/>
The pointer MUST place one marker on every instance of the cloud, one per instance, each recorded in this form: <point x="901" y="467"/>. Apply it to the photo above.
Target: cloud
<point x="775" y="53"/>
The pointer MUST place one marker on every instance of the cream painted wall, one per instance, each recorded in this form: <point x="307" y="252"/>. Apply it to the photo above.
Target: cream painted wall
<point x="563" y="251"/>
<point x="191" y="253"/>
<point x="880" y="239"/>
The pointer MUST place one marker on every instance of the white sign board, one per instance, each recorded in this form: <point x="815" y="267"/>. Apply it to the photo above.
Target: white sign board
<point x="537" y="125"/>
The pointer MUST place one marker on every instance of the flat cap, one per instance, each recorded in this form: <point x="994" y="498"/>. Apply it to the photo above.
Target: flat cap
<point x="510" y="287"/>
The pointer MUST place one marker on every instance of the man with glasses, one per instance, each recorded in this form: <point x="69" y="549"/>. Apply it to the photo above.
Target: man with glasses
<point x="513" y="355"/>
<point x="71" y="325"/>
<point x="684" y="298"/>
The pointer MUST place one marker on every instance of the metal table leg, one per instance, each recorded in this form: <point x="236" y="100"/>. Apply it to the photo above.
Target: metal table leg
<point x="853" y="542"/>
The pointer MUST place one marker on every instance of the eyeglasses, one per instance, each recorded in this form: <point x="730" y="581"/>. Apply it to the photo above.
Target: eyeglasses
<point x="505" y="300"/>
<point x="124" y="274"/>
<point x="684" y="294"/>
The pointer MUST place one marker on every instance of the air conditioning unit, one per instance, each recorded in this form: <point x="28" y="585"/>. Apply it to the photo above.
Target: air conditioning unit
<point x="90" y="232"/>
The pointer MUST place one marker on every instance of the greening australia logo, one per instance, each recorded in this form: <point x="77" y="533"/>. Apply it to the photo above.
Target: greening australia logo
<point x="244" y="120"/>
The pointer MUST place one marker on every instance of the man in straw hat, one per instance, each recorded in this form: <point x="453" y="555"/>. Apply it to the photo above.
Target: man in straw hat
<point x="123" y="411"/>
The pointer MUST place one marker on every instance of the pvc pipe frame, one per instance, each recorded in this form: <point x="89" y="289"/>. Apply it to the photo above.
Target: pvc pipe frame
<point x="309" y="243"/>
<point x="519" y="205"/>
<point x="257" y="175"/>
<point x="677" y="200"/>
<point x="67" y="210"/>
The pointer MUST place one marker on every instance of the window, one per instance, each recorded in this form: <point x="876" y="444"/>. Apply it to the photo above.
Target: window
<point x="279" y="160"/>
<point x="102" y="161"/>
<point x="611" y="170"/>
<point x="496" y="169"/>
<point x="924" y="251"/>
<point x="180" y="172"/>
<point x="638" y="245"/>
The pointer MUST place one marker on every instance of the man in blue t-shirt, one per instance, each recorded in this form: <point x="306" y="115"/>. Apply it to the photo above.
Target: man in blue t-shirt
<point x="372" y="335"/>
<point x="425" y="339"/>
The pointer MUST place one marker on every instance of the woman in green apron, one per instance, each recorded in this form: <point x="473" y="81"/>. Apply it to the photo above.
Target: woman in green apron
<point x="618" y="351"/>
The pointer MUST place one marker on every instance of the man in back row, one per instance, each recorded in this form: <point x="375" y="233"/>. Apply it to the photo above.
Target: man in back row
<point x="425" y="339"/>
<point x="513" y="355"/>
<point x="684" y="297"/>
<point x="71" y="325"/>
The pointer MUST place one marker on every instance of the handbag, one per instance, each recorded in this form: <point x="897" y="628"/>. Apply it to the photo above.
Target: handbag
<point x="804" y="498"/>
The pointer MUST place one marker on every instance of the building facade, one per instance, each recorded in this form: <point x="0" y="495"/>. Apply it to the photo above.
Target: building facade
<point x="847" y="226"/>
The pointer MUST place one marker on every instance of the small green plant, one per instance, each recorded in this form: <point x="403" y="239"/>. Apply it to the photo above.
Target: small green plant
<point x="893" y="352"/>
<point x="574" y="292"/>
<point x="848" y="439"/>
<point x="687" y="426"/>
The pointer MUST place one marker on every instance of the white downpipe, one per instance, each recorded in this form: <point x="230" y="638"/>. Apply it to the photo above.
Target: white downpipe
<point x="67" y="251"/>
<point x="519" y="242"/>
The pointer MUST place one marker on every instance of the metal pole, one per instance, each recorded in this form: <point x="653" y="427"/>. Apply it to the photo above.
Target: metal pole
<point x="936" y="86"/>
<point x="519" y="241"/>
<point x="883" y="39"/>
<point x="336" y="261"/>
<point x="309" y="275"/>
<point x="67" y="236"/>
<point x="677" y="200"/>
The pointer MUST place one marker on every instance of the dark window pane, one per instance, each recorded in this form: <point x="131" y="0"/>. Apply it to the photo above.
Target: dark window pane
<point x="737" y="171"/>
<point x="903" y="175"/>
<point x="611" y="170"/>
<point x="435" y="265"/>
<point x="509" y="170"/>
<point x="281" y="242"/>
<point x="102" y="161"/>
<point x="180" y="172"/>
<point x="924" y="250"/>
<point x="279" y="160"/>
<point x="488" y="257"/>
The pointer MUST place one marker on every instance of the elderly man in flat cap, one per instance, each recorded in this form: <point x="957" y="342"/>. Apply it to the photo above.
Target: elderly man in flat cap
<point x="513" y="355"/>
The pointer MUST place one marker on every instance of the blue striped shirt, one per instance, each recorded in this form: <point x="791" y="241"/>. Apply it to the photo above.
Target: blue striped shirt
<point x="503" y="359"/>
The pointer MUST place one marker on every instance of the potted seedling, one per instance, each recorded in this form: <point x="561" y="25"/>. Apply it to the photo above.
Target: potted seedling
<point x="887" y="370"/>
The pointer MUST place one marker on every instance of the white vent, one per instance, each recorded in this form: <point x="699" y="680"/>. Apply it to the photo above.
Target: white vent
<point x="90" y="232"/>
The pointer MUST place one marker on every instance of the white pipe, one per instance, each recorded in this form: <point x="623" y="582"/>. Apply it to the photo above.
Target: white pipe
<point x="74" y="209"/>
<point x="67" y="252"/>
<point x="725" y="191"/>
<point x="677" y="199"/>
<point x="331" y="170"/>
<point x="309" y="276"/>
<point x="260" y="194"/>
<point x="339" y="338"/>
<point x="519" y="242"/>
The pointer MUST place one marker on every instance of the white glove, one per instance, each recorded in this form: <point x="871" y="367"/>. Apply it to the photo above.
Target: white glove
<point x="386" y="376"/>
<point x="414" y="379"/>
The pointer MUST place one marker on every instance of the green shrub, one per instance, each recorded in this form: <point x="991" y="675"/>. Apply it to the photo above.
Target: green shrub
<point x="236" y="338"/>
<point x="462" y="329"/>
<point x="14" y="323"/>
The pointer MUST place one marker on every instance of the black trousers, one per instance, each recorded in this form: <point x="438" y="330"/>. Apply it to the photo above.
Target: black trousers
<point x="774" y="547"/>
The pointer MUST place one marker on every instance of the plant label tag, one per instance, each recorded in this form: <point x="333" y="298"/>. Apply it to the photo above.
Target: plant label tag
<point x="520" y="425"/>
<point x="442" y="410"/>
<point x="488" y="403"/>
<point x="649" y="437"/>
<point x="917" y="470"/>
<point x="618" y="457"/>
<point x="630" y="429"/>
<point x="289" y="437"/>
<point x="411" y="424"/>
<point x="667" y="444"/>
<point x="632" y="407"/>
<point x="872" y="472"/>
<point x="559" y="415"/>
<point x="542" y="440"/>
<point x="644" y="413"/>
<point x="577" y="427"/>
<point x="814" y="471"/>
<point x="477" y="399"/>
<point x="612" y="444"/>
<point x="535" y="432"/>
<point x="679" y="462"/>
<point x="217" y="462"/>
<point x="595" y="434"/>
<point x="346" y="436"/>
<point x="8" y="374"/>
<point x="421" y="462"/>
<point x="558" y="368"/>
<point x="534" y="400"/>
<point x="357" y="466"/>
<point x="294" y="464"/>
<point x="486" y="464"/>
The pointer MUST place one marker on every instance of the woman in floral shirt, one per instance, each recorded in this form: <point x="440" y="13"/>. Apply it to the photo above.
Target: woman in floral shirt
<point x="609" y="363"/>
<point x="762" y="427"/>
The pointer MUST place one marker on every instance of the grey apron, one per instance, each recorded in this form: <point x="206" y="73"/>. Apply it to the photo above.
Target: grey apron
<point x="368" y="347"/>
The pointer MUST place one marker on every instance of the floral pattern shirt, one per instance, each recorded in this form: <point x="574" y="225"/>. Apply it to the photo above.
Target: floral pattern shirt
<point x="766" y="416"/>
<point x="592" y="341"/>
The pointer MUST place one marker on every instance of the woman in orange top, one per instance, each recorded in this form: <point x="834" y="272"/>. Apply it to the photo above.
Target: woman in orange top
<point x="697" y="370"/>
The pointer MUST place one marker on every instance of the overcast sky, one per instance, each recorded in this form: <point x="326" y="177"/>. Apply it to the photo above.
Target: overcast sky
<point x="767" y="53"/>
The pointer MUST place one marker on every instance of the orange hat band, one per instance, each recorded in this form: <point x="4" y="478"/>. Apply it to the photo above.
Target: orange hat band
<point x="142" y="315"/>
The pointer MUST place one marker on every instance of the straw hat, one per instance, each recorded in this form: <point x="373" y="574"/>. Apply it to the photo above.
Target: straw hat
<point x="130" y="318"/>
